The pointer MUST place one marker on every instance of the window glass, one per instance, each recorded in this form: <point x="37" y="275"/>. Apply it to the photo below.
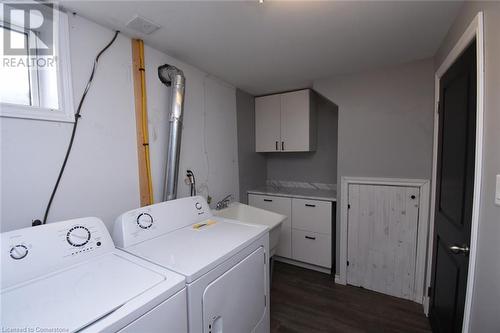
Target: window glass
<point x="31" y="74"/>
<point x="15" y="80"/>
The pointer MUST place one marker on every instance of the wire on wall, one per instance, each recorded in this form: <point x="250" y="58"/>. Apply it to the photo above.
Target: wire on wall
<point x="75" y="125"/>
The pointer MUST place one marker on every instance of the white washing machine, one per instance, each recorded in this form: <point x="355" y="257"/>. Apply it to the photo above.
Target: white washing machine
<point x="68" y="276"/>
<point x="225" y="262"/>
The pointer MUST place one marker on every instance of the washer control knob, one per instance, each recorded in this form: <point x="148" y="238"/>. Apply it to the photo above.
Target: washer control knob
<point x="78" y="236"/>
<point x="18" y="252"/>
<point x="198" y="205"/>
<point x="144" y="221"/>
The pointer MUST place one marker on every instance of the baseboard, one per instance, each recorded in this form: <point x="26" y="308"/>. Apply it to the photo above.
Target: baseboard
<point x="303" y="265"/>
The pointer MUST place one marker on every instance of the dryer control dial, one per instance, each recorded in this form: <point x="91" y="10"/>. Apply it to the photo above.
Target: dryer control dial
<point x="144" y="221"/>
<point x="78" y="236"/>
<point x="18" y="251"/>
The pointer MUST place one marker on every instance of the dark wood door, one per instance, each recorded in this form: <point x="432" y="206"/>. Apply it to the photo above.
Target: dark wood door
<point x="454" y="193"/>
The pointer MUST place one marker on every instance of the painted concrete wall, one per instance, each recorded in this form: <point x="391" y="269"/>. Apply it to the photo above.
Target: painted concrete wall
<point x="385" y="125"/>
<point x="209" y="135"/>
<point x="319" y="166"/>
<point x="101" y="174"/>
<point x="252" y="165"/>
<point x="486" y="289"/>
<point x="101" y="178"/>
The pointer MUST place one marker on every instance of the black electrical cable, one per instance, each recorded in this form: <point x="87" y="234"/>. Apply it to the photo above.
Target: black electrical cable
<point x="192" y="181"/>
<point x="75" y="125"/>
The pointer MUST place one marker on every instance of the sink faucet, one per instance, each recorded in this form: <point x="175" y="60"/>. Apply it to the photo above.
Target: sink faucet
<point x="223" y="203"/>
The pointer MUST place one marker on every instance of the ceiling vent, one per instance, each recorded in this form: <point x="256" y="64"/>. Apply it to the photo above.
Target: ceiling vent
<point x="142" y="25"/>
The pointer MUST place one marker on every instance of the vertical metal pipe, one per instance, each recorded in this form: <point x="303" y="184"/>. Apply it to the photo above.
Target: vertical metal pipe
<point x="172" y="76"/>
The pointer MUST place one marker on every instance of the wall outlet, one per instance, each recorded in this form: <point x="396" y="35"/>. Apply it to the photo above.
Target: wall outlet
<point x="497" y="192"/>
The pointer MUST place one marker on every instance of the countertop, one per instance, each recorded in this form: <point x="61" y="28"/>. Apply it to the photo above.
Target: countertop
<point x="297" y="192"/>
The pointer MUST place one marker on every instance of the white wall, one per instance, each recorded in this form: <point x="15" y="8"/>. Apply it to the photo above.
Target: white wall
<point x="209" y="137"/>
<point x="101" y="174"/>
<point x="101" y="177"/>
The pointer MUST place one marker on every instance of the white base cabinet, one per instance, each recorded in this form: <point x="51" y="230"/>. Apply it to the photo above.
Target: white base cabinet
<point x="281" y="206"/>
<point x="306" y="235"/>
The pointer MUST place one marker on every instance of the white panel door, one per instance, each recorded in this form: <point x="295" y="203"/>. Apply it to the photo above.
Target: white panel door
<point x="281" y="206"/>
<point x="295" y="121"/>
<point x="382" y="238"/>
<point x="268" y="123"/>
<point x="237" y="300"/>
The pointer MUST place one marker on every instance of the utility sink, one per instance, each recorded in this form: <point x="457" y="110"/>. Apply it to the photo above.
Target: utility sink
<point x="253" y="215"/>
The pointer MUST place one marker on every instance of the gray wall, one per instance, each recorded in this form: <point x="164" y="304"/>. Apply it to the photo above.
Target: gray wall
<point x="319" y="166"/>
<point x="252" y="166"/>
<point x="486" y="298"/>
<point x="385" y="122"/>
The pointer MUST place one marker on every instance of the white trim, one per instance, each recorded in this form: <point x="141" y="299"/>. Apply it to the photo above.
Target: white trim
<point x="422" y="231"/>
<point x="474" y="30"/>
<point x="65" y="113"/>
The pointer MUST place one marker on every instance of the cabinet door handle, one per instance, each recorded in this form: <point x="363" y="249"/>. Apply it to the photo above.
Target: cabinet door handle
<point x="310" y="205"/>
<point x="268" y="200"/>
<point x="276" y="145"/>
<point x="309" y="237"/>
<point x="282" y="145"/>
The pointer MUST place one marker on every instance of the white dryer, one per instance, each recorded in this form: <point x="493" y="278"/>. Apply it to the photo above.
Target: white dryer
<point x="68" y="276"/>
<point x="225" y="262"/>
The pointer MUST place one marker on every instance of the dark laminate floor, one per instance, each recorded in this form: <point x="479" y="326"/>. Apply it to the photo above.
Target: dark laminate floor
<point x="309" y="301"/>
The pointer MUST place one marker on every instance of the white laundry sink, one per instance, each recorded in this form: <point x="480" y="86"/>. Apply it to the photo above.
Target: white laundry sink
<point x="253" y="215"/>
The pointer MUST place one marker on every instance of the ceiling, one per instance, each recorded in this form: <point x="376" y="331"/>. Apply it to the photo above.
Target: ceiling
<point x="283" y="45"/>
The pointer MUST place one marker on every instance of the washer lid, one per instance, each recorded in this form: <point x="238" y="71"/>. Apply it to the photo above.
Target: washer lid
<point x="74" y="298"/>
<point x="194" y="250"/>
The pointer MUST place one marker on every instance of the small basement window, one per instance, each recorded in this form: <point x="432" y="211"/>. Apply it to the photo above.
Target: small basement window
<point x="35" y="72"/>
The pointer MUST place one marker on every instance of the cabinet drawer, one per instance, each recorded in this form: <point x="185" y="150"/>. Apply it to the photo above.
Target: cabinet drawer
<point x="312" y="248"/>
<point x="312" y="215"/>
<point x="278" y="205"/>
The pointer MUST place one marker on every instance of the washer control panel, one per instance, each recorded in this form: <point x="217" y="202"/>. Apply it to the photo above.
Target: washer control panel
<point x="34" y="251"/>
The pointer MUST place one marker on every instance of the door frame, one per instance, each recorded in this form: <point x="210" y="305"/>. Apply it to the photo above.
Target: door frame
<point x="422" y="230"/>
<point x="473" y="31"/>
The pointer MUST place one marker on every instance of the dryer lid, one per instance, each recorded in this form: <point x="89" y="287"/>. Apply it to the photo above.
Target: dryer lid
<point x="194" y="250"/>
<point x="78" y="296"/>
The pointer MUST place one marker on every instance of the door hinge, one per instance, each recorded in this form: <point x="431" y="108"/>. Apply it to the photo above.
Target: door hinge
<point x="348" y="206"/>
<point x="347" y="262"/>
<point x="429" y="290"/>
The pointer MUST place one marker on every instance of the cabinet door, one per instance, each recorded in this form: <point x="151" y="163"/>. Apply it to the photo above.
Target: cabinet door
<point x="282" y="206"/>
<point x="267" y="123"/>
<point x="295" y="121"/>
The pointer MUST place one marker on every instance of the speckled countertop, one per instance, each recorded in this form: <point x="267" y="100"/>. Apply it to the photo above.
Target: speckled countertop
<point x="297" y="192"/>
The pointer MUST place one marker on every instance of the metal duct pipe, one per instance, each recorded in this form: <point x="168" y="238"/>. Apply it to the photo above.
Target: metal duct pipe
<point x="173" y="77"/>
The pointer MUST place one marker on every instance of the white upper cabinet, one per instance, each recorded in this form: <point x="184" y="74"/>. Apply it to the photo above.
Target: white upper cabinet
<point x="286" y="122"/>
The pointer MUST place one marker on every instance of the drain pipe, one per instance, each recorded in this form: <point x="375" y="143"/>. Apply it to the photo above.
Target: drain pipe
<point x="173" y="77"/>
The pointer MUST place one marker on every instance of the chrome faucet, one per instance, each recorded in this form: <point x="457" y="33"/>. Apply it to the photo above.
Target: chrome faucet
<point x="223" y="203"/>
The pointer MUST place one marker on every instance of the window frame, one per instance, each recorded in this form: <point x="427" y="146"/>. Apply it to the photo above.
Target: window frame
<point x="65" y="111"/>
